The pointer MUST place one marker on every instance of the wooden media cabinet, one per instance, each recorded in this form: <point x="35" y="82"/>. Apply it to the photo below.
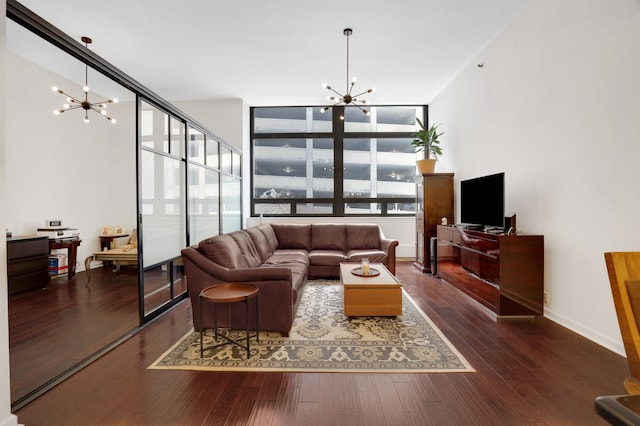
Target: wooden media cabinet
<point x="505" y="273"/>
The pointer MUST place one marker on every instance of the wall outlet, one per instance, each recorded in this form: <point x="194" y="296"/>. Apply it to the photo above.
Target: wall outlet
<point x="545" y="298"/>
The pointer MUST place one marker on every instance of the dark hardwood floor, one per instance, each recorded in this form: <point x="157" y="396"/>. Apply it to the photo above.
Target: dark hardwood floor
<point x="52" y="329"/>
<point x="527" y="372"/>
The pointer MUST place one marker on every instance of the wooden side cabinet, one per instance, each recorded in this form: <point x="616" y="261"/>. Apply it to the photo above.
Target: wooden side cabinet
<point x="505" y="273"/>
<point x="434" y="200"/>
<point x="27" y="263"/>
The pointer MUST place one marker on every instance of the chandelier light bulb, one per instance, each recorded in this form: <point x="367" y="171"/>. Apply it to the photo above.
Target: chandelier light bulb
<point x="56" y="112"/>
<point x="54" y="88"/>
<point x="103" y="112"/>
<point x="113" y="120"/>
<point x="86" y="118"/>
<point x="114" y="100"/>
<point x="66" y="106"/>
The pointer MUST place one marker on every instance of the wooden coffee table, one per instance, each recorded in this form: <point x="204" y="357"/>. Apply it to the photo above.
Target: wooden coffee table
<point x="379" y="295"/>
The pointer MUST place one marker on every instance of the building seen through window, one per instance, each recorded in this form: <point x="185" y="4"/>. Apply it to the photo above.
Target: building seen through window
<point x="305" y="162"/>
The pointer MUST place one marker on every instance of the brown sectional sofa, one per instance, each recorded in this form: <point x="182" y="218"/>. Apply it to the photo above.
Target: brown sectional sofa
<point x="278" y="259"/>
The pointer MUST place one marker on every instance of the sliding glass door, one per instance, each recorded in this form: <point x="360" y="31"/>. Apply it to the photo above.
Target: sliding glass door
<point x="162" y="207"/>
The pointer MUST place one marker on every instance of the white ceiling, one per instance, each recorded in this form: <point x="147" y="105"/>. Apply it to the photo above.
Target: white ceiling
<point x="279" y="52"/>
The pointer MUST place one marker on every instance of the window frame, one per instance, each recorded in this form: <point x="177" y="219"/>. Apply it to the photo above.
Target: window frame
<point x="338" y="135"/>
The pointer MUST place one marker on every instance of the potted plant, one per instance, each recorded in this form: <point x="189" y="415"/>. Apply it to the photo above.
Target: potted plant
<point x="427" y="141"/>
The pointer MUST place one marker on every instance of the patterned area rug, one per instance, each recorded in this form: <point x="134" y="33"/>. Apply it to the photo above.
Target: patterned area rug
<point x="324" y="340"/>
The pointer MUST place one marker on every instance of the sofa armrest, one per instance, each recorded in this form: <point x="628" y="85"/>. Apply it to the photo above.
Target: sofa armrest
<point x="219" y="273"/>
<point x="389" y="246"/>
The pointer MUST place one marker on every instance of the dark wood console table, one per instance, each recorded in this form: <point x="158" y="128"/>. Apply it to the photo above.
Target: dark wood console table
<point x="71" y="245"/>
<point x="505" y="273"/>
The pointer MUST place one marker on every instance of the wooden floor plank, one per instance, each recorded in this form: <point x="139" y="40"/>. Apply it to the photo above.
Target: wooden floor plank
<point x="527" y="372"/>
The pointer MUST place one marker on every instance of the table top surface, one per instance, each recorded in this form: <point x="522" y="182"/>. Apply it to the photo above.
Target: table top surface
<point x="350" y="280"/>
<point x="113" y="235"/>
<point x="228" y="292"/>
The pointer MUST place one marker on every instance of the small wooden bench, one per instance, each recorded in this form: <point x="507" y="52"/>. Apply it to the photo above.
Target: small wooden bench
<point x="123" y="255"/>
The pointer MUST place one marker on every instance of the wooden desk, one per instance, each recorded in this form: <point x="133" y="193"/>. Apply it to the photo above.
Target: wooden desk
<point x="71" y="245"/>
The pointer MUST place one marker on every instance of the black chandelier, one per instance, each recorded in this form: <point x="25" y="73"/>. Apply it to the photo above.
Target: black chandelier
<point x="75" y="103"/>
<point x="347" y="98"/>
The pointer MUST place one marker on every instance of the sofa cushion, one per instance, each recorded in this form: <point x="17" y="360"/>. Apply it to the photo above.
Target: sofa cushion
<point x="374" y="256"/>
<point x="223" y="250"/>
<point x="270" y="235"/>
<point x="287" y="257"/>
<point x="327" y="257"/>
<point x="363" y="236"/>
<point x="260" y="242"/>
<point x="293" y="235"/>
<point x="247" y="248"/>
<point x="328" y="236"/>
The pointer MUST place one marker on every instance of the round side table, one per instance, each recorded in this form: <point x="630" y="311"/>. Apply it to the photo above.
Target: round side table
<point x="228" y="293"/>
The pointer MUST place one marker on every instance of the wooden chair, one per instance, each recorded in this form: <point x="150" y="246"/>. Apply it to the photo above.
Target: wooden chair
<point x="624" y="277"/>
<point x="126" y="254"/>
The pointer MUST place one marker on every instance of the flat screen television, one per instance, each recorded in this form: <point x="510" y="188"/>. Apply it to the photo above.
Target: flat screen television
<point x="482" y="201"/>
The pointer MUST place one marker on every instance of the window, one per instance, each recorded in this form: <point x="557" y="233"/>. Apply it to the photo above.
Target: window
<point x="305" y="162"/>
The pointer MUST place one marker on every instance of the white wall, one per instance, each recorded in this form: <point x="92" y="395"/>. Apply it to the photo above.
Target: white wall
<point x="224" y="118"/>
<point x="556" y="107"/>
<point x="61" y="167"/>
<point x="6" y="418"/>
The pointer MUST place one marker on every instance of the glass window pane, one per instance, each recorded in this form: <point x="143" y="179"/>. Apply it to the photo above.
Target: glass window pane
<point x="362" y="208"/>
<point x="231" y="201"/>
<point x="196" y="145"/>
<point x="382" y="119"/>
<point x="378" y="167"/>
<point x="272" y="209"/>
<point x="163" y="202"/>
<point x="236" y="165"/>
<point x="299" y="168"/>
<point x="154" y="128"/>
<point x="356" y="121"/>
<point x="292" y="120"/>
<point x="401" y="208"/>
<point x="226" y="159"/>
<point x="213" y="153"/>
<point x="177" y="137"/>
<point x="204" y="203"/>
<point x="179" y="278"/>
<point x="395" y="168"/>
<point x="359" y="155"/>
<point x="314" y="208"/>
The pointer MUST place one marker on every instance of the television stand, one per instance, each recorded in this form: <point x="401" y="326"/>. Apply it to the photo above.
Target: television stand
<point x="505" y="273"/>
